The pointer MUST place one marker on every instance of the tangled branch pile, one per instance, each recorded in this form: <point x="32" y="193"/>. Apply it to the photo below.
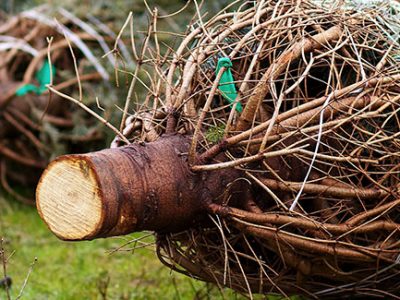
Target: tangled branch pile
<point x="35" y="127"/>
<point x="317" y="143"/>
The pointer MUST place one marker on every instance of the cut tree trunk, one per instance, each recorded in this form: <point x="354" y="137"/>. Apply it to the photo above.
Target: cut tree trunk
<point x="146" y="186"/>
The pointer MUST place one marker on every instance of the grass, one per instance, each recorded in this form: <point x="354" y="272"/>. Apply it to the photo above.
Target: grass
<point x="66" y="270"/>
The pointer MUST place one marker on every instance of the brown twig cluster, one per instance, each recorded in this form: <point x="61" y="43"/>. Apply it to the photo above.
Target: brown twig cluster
<point x="35" y="126"/>
<point x="317" y="142"/>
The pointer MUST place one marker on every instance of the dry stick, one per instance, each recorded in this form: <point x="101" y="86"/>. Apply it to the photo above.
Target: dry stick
<point x="373" y="212"/>
<point x="258" y="13"/>
<point x="375" y="103"/>
<point x="372" y="139"/>
<point x="302" y="112"/>
<point x="191" y="66"/>
<point x="79" y="102"/>
<point x="306" y="117"/>
<point x="358" y="56"/>
<point x="268" y="190"/>
<point x="139" y="62"/>
<point x="325" y="190"/>
<point x="262" y="269"/>
<point x="49" y="46"/>
<point x="115" y="49"/>
<point x="299" y="222"/>
<point x="266" y="25"/>
<point x="350" y="286"/>
<point x="383" y="61"/>
<point x="206" y="108"/>
<point x="275" y="70"/>
<point x="30" y="70"/>
<point x="203" y="28"/>
<point x="129" y="95"/>
<point x="26" y="279"/>
<point x="280" y="101"/>
<point x="331" y="246"/>
<point x="4" y="263"/>
<point x="279" y="137"/>
<point x="244" y="85"/>
<point x="370" y="251"/>
<point x="179" y="259"/>
<point x="224" y="242"/>
<point x="88" y="110"/>
<point x="75" y="65"/>
<point x="134" y="241"/>
<point x="304" y="265"/>
<point x="175" y="12"/>
<point x="235" y="254"/>
<point x="239" y="14"/>
<point x="244" y="160"/>
<point x="299" y="242"/>
<point x="175" y="60"/>
<point x="299" y="112"/>
<point x="154" y="31"/>
<point x="178" y="55"/>
<point x="334" y="108"/>
<point x="338" y="158"/>
<point x="130" y="128"/>
<point x="159" y="76"/>
<point x="111" y="35"/>
<point x="149" y="90"/>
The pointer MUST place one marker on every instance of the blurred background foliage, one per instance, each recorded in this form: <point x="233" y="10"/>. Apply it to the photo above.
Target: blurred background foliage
<point x="86" y="270"/>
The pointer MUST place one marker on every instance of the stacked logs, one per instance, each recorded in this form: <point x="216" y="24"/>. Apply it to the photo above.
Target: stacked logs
<point x="35" y="50"/>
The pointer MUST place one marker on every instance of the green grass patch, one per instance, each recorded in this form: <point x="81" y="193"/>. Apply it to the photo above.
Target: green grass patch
<point x="76" y="270"/>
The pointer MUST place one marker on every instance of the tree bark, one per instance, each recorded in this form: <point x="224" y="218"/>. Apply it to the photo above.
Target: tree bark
<point x="146" y="186"/>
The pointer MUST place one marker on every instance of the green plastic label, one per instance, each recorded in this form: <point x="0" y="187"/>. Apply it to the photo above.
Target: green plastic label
<point x="43" y="76"/>
<point x="227" y="83"/>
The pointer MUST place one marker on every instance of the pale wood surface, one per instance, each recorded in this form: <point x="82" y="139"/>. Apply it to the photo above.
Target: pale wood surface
<point x="68" y="199"/>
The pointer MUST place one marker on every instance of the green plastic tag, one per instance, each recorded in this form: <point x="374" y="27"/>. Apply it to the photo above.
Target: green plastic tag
<point x="226" y="84"/>
<point x="27" y="88"/>
<point x="43" y="76"/>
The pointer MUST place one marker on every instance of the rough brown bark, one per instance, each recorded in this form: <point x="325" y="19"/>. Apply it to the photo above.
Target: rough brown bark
<point x="146" y="186"/>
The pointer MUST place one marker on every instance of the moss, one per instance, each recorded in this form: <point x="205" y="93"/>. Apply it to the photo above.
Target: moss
<point x="215" y="133"/>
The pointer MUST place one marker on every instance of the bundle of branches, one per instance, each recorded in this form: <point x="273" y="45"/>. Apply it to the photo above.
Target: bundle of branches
<point x="33" y="126"/>
<point x="268" y="155"/>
